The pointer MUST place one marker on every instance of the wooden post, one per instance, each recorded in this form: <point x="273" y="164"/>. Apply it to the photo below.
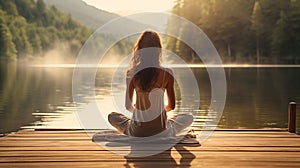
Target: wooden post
<point x="292" y="117"/>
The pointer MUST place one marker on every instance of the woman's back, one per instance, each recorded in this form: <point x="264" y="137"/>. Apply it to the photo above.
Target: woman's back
<point x="150" y="113"/>
<point x="142" y="99"/>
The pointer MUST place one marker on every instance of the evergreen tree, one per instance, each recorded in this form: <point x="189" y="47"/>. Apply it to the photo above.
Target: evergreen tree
<point x="257" y="31"/>
<point x="26" y="8"/>
<point x="7" y="47"/>
<point x="20" y="38"/>
<point x="9" y="6"/>
<point x="294" y="27"/>
<point x="173" y="27"/>
<point x="35" y="40"/>
<point x="258" y="26"/>
<point x="280" y="37"/>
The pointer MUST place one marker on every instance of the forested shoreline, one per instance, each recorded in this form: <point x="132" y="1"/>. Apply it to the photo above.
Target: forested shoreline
<point x="29" y="29"/>
<point x="243" y="31"/>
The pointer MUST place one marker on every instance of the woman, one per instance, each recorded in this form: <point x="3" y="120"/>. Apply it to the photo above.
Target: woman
<point x="150" y="81"/>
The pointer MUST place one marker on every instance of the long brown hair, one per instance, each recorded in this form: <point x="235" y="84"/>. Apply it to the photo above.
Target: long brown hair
<point x="146" y="59"/>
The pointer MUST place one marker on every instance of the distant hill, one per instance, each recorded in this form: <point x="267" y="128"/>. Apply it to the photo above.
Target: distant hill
<point x="92" y="16"/>
<point x="95" y="18"/>
<point x="30" y="30"/>
<point x="87" y="14"/>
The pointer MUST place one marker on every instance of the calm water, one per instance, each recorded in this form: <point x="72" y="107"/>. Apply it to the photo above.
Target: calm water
<point x="42" y="97"/>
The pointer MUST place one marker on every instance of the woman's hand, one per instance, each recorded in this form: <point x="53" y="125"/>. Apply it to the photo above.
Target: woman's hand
<point x="168" y="108"/>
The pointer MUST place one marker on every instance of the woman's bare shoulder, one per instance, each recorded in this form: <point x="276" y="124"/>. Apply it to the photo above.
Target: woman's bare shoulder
<point x="168" y="71"/>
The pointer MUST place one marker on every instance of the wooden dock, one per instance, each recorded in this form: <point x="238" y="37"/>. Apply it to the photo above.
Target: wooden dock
<point x="228" y="148"/>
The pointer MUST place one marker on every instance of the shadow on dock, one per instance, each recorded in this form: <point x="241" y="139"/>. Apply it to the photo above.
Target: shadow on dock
<point x="163" y="159"/>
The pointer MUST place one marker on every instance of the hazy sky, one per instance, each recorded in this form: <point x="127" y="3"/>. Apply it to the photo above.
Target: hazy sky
<point x="125" y="7"/>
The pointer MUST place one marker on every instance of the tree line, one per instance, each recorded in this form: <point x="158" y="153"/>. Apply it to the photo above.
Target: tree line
<point x="248" y="31"/>
<point x="29" y="29"/>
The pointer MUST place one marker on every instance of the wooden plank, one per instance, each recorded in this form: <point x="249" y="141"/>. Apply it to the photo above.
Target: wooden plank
<point x="11" y="146"/>
<point x="203" y="163"/>
<point x="207" y="160"/>
<point x="74" y="148"/>
<point x="111" y="155"/>
<point x="216" y="133"/>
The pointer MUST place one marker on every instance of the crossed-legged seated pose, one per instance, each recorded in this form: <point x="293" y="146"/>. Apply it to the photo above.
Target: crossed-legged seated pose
<point x="149" y="80"/>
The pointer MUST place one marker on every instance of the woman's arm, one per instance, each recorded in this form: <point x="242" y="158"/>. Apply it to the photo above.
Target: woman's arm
<point x="129" y="94"/>
<point x="170" y="92"/>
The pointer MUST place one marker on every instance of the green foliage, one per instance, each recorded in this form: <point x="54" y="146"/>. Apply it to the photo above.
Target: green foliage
<point x="7" y="47"/>
<point x="29" y="29"/>
<point x="280" y="38"/>
<point x="18" y="28"/>
<point x="252" y="31"/>
<point x="9" y="6"/>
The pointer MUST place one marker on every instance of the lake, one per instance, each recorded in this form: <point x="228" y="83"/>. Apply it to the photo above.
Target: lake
<point x="41" y="97"/>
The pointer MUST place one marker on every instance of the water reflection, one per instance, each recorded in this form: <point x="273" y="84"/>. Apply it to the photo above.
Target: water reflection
<point x="41" y="96"/>
<point x="259" y="98"/>
<point x="24" y="91"/>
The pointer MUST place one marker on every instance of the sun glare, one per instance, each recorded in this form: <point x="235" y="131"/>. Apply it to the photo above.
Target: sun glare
<point x="132" y="6"/>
